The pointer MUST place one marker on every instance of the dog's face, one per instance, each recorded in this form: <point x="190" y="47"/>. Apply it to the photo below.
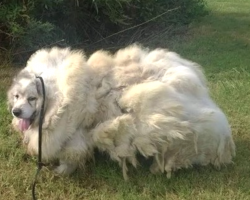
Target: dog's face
<point x="23" y="100"/>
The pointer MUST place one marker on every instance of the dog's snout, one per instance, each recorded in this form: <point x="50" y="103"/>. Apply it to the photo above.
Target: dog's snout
<point x="17" y="112"/>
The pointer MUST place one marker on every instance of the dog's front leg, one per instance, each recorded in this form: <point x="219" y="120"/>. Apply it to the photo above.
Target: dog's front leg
<point x="65" y="168"/>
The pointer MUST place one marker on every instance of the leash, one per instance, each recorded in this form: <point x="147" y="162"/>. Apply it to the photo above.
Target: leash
<point x="39" y="162"/>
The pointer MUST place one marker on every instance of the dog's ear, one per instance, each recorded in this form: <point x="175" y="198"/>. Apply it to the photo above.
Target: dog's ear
<point x="10" y="99"/>
<point x="10" y="94"/>
<point x="38" y="86"/>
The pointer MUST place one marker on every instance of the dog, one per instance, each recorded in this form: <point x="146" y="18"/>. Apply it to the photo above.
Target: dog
<point x="137" y="100"/>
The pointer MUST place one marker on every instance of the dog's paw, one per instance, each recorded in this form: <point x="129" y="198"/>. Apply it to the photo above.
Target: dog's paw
<point x="65" y="169"/>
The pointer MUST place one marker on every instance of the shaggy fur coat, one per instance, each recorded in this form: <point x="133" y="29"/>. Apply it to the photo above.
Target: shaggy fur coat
<point x="154" y="103"/>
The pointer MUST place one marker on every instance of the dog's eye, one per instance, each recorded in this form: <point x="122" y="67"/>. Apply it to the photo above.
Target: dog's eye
<point x="31" y="98"/>
<point x="16" y="96"/>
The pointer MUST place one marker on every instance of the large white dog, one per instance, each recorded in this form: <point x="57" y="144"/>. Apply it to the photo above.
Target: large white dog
<point x="136" y="101"/>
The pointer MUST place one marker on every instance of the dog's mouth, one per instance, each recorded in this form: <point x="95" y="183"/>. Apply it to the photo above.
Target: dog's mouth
<point x="24" y="124"/>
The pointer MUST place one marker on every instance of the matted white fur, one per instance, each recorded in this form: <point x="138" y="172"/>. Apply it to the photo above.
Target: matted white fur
<point x="136" y="101"/>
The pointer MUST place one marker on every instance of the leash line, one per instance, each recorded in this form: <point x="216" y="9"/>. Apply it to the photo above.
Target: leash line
<point x="39" y="161"/>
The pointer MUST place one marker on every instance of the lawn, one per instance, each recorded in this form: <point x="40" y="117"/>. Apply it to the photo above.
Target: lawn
<point x="220" y="42"/>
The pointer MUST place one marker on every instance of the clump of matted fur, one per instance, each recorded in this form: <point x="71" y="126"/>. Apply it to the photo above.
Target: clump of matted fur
<point x="167" y="112"/>
<point x="136" y="101"/>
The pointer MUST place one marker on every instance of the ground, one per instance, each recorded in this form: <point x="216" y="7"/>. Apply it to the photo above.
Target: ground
<point x="220" y="42"/>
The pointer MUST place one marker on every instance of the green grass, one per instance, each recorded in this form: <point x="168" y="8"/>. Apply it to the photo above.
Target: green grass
<point x="221" y="44"/>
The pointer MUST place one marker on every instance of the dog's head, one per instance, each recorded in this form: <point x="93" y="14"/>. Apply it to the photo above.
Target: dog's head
<point x="24" y="99"/>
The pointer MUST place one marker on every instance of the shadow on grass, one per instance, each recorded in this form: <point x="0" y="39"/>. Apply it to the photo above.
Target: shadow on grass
<point x="198" y="179"/>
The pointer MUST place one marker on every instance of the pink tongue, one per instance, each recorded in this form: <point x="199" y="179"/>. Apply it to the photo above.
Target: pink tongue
<point x="24" y="124"/>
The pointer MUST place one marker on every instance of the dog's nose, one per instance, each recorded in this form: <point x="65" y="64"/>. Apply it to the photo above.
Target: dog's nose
<point x="17" y="112"/>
